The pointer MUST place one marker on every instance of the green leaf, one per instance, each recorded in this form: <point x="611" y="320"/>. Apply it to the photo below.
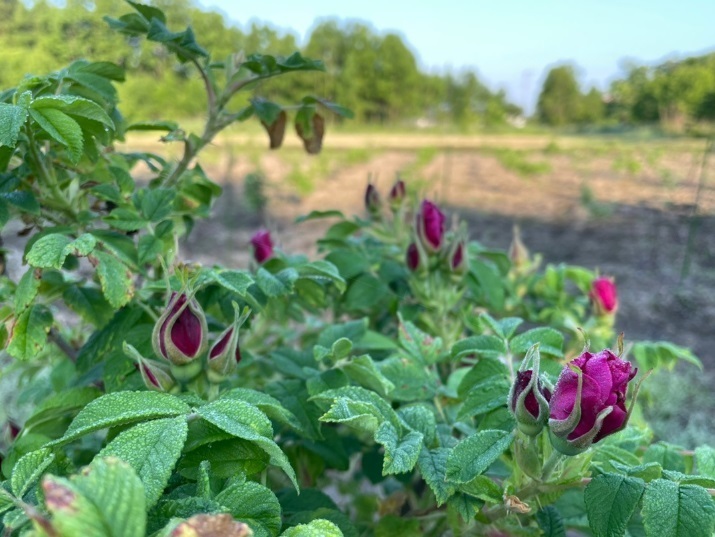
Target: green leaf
<point x="279" y="284"/>
<point x="28" y="469"/>
<point x="668" y="456"/>
<point x="503" y="328"/>
<point x="271" y="406"/>
<point x="473" y="455"/>
<point x="62" y="128"/>
<point x="243" y="420"/>
<point x="365" y="292"/>
<point x="485" y="371"/>
<point x="400" y="452"/>
<point x="550" y="522"/>
<point x="673" y="510"/>
<point x="167" y="126"/>
<point x="115" y="279"/>
<point x="236" y="281"/>
<point x="148" y="12"/>
<point x="432" y="464"/>
<point x="486" y="345"/>
<point x="490" y="283"/>
<point x="333" y="107"/>
<point x="22" y="200"/>
<point x="156" y="204"/>
<point x="29" y="333"/>
<point x="227" y="457"/>
<point x="74" y="106"/>
<point x="351" y="330"/>
<point x="419" y="344"/>
<point x="317" y="528"/>
<point x="253" y="504"/>
<point x="125" y="219"/>
<point x="122" y="408"/>
<point x="655" y="354"/>
<point x="49" y="251"/>
<point x="483" y="488"/>
<point x="12" y="118"/>
<point x="58" y="406"/>
<point x="363" y="371"/>
<point x="611" y="500"/>
<point x="26" y="290"/>
<point x="316" y="215"/>
<point x="349" y="398"/>
<point x="412" y="380"/>
<point x="152" y="449"/>
<point x="705" y="460"/>
<point x="419" y="418"/>
<point x="484" y="398"/>
<point x="106" y="499"/>
<point x="322" y="271"/>
<point x="89" y="303"/>
<point x="550" y="341"/>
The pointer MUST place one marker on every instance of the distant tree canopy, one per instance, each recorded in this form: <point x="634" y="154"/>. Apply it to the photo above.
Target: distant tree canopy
<point x="376" y="75"/>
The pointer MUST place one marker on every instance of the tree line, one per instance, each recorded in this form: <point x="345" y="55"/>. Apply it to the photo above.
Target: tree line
<point x="374" y="74"/>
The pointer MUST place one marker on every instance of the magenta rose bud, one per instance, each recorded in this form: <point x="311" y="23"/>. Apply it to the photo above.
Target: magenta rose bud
<point x="413" y="257"/>
<point x="154" y="376"/>
<point x="589" y="401"/>
<point x="372" y="199"/>
<point x="604" y="296"/>
<point x="180" y="333"/>
<point x="430" y="226"/>
<point x="528" y="398"/>
<point x="262" y="246"/>
<point x="458" y="261"/>
<point x="225" y="353"/>
<point x="397" y="194"/>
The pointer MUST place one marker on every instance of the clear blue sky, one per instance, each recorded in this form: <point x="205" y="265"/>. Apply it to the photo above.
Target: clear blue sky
<point x="511" y="43"/>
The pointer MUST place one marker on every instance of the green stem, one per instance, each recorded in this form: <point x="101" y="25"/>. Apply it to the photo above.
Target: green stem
<point x="550" y="465"/>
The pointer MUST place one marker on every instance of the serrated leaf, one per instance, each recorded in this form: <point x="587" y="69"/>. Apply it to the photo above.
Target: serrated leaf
<point x="669" y="457"/>
<point x="253" y="504"/>
<point x="74" y="106"/>
<point x="550" y="522"/>
<point x="673" y="510"/>
<point x="28" y="470"/>
<point x="244" y="420"/>
<point x="611" y="500"/>
<point x="271" y="406"/>
<point x="228" y="457"/>
<point x="412" y="381"/>
<point x="58" y="406"/>
<point x="106" y="499"/>
<point x="156" y="204"/>
<point x="485" y="371"/>
<point x="363" y="371"/>
<point x="148" y="249"/>
<point x="368" y="401"/>
<point x="484" y="345"/>
<point x="419" y="418"/>
<point x="550" y="341"/>
<point x="12" y="118"/>
<point x="121" y="408"/>
<point x="236" y="281"/>
<point x="152" y="449"/>
<point x="418" y="344"/>
<point x="432" y="464"/>
<point x="125" y="219"/>
<point x="115" y="279"/>
<point x="29" y="332"/>
<point x="322" y="271"/>
<point x="483" y="488"/>
<point x="400" y="452"/>
<point x="473" y="455"/>
<point x="484" y="398"/>
<point x="26" y="290"/>
<point x="279" y="284"/>
<point x="316" y="528"/>
<point x="49" y="251"/>
<point x="23" y="200"/>
<point x="705" y="460"/>
<point x="62" y="128"/>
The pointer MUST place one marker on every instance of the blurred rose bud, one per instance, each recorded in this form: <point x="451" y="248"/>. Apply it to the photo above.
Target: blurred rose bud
<point x="412" y="259"/>
<point x="397" y="194"/>
<point x="529" y="398"/>
<point x="372" y="199"/>
<point x="589" y="401"/>
<point x="180" y="333"/>
<point x="518" y="252"/>
<point x="604" y="296"/>
<point x="458" y="260"/>
<point x="262" y="245"/>
<point x="154" y="376"/>
<point x="430" y="226"/>
<point x="225" y="353"/>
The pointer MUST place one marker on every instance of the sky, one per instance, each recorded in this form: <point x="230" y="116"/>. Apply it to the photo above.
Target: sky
<point x="510" y="43"/>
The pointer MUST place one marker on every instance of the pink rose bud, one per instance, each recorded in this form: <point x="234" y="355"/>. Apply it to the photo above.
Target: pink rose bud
<point x="413" y="257"/>
<point x="529" y="398"/>
<point x="225" y="353"/>
<point x="458" y="261"/>
<point x="589" y="401"/>
<point x="430" y="226"/>
<point x="154" y="376"/>
<point x="604" y="296"/>
<point x="372" y="199"/>
<point x="180" y="333"/>
<point x="397" y="193"/>
<point x="262" y="245"/>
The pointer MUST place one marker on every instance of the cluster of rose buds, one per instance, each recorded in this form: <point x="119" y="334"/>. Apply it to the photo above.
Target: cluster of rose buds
<point x="373" y="201"/>
<point x="587" y="404"/>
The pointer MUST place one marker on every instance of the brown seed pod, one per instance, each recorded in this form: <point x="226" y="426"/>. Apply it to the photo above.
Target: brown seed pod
<point x="276" y="130"/>
<point x="313" y="141"/>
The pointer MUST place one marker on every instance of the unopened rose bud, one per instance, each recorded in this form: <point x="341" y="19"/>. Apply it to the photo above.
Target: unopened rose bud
<point x="518" y="253"/>
<point x="154" y="377"/>
<point x="458" y="260"/>
<point x="529" y="398"/>
<point x="180" y="333"/>
<point x="412" y="259"/>
<point x="262" y="246"/>
<point x="372" y="200"/>
<point x="397" y="194"/>
<point x="604" y="296"/>
<point x="589" y="401"/>
<point x="225" y="353"/>
<point x="430" y="226"/>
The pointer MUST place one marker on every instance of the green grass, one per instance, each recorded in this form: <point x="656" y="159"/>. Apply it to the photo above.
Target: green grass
<point x="517" y="161"/>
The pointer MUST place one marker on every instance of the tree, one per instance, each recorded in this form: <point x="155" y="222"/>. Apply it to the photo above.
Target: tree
<point x="560" y="99"/>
